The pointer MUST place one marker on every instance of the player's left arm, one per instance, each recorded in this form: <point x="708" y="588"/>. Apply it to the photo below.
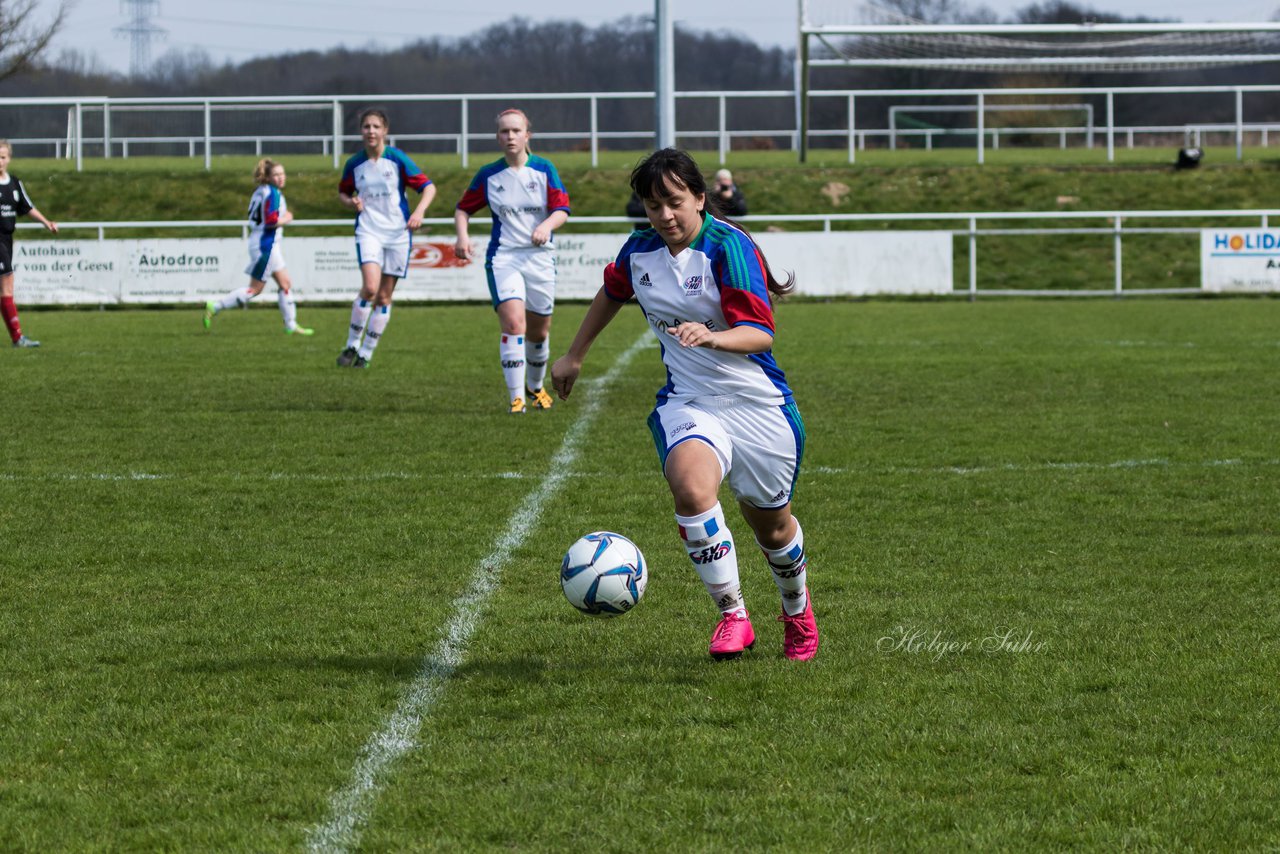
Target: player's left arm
<point x="40" y="218"/>
<point x="26" y="208"/>
<point x="740" y="339"/>
<point x="744" y="301"/>
<point x="542" y="234"/>
<point x="415" y="218"/>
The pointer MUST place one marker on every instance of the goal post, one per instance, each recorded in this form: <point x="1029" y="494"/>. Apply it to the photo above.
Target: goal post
<point x="852" y="36"/>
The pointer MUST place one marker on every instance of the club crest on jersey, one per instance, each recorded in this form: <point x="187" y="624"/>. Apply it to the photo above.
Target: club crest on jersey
<point x="532" y="186"/>
<point x="692" y="286"/>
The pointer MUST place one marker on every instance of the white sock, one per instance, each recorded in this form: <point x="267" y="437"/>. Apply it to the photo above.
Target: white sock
<point x="535" y="357"/>
<point x="360" y="310"/>
<point x="288" y="309"/>
<point x="790" y="572"/>
<point x="709" y="543"/>
<point x="511" y="352"/>
<point x="238" y="297"/>
<point x="377" y="323"/>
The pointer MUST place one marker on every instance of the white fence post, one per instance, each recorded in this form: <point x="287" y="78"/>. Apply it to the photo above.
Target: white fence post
<point x="79" y="137"/>
<point x="208" y="136"/>
<point x="1239" y="124"/>
<point x="1111" y="127"/>
<point x="462" y="139"/>
<point x="973" y="258"/>
<point x="724" y="134"/>
<point x="337" y="132"/>
<point x="595" y="131"/>
<point x="1119" y="256"/>
<point x="982" y="127"/>
<point x="853" y="138"/>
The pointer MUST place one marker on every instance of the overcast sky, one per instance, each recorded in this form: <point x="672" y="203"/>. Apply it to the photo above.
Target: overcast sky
<point x="236" y="30"/>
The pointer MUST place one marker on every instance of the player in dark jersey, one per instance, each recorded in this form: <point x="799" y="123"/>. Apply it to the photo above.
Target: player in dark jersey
<point x="14" y="203"/>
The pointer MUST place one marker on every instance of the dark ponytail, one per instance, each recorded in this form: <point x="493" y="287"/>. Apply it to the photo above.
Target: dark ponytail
<point x="670" y="168"/>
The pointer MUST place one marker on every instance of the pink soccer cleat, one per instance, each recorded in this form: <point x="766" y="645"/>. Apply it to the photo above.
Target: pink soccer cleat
<point x="733" y="634"/>
<point x="800" y="633"/>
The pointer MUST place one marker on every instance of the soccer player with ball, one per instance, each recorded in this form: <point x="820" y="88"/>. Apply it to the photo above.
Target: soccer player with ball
<point x="726" y="410"/>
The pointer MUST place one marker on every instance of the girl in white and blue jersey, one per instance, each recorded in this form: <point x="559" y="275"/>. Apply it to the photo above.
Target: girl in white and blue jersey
<point x="373" y="185"/>
<point x="529" y="202"/>
<point x="268" y="214"/>
<point x="726" y="411"/>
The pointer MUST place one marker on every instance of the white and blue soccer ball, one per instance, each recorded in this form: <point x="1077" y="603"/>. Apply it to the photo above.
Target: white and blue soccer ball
<point x="603" y="574"/>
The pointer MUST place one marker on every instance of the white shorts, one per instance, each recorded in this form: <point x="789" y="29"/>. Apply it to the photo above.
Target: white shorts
<point x="262" y="265"/>
<point x="759" y="445"/>
<point x="523" y="274"/>
<point x="391" y="255"/>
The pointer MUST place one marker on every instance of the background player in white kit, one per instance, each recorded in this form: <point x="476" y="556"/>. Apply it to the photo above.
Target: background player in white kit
<point x="268" y="214"/>
<point x="726" y="410"/>
<point x="529" y="202"/>
<point x="373" y="185"/>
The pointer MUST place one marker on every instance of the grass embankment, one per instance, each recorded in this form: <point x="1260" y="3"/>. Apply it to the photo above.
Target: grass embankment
<point x="880" y="182"/>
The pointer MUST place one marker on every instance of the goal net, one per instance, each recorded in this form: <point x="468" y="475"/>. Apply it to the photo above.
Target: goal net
<point x="868" y="36"/>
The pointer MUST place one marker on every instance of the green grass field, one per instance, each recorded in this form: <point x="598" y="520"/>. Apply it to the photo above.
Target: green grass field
<point x="1043" y="544"/>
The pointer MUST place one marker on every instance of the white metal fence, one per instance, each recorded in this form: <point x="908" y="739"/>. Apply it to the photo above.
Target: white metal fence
<point x="320" y="123"/>
<point x="971" y="226"/>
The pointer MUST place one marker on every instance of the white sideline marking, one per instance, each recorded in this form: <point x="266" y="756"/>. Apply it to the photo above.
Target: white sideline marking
<point x="349" y="807"/>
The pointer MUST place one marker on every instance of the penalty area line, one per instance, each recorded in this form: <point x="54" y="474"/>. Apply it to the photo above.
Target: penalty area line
<point x="350" y="807"/>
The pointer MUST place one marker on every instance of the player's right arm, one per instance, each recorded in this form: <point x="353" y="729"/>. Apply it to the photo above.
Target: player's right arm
<point x="475" y="198"/>
<point x="347" y="189"/>
<point x="564" y="373"/>
<point x="463" y="246"/>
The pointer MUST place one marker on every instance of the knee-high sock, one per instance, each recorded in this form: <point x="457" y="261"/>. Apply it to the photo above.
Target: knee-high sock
<point x="511" y="352"/>
<point x="360" y="311"/>
<point x="709" y="543"/>
<point x="238" y="297"/>
<point x="9" y="310"/>
<point x="790" y="572"/>
<point x="288" y="308"/>
<point x="377" y="324"/>
<point x="535" y="357"/>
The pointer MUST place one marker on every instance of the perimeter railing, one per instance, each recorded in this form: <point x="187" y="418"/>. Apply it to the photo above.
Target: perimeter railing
<point x="124" y="127"/>
<point x="969" y="227"/>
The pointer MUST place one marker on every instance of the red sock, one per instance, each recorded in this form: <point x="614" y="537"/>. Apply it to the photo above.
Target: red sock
<point x="10" y="313"/>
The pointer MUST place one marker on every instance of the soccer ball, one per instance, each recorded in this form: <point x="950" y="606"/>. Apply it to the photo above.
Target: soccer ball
<point x="603" y="574"/>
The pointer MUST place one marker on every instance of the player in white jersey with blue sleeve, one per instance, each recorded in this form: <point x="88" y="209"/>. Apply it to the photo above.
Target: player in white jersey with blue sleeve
<point x="726" y="411"/>
<point x="268" y="214"/>
<point x="529" y="202"/>
<point x="373" y="185"/>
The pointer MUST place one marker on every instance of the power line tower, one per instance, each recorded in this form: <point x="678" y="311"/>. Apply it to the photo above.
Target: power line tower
<point x="140" y="31"/>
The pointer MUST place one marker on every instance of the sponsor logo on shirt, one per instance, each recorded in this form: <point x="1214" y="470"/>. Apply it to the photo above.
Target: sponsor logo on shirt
<point x="692" y="286"/>
<point x="663" y="325"/>
<point x="644" y="280"/>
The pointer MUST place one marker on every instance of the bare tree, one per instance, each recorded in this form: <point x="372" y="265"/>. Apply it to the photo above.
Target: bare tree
<point x="22" y="37"/>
